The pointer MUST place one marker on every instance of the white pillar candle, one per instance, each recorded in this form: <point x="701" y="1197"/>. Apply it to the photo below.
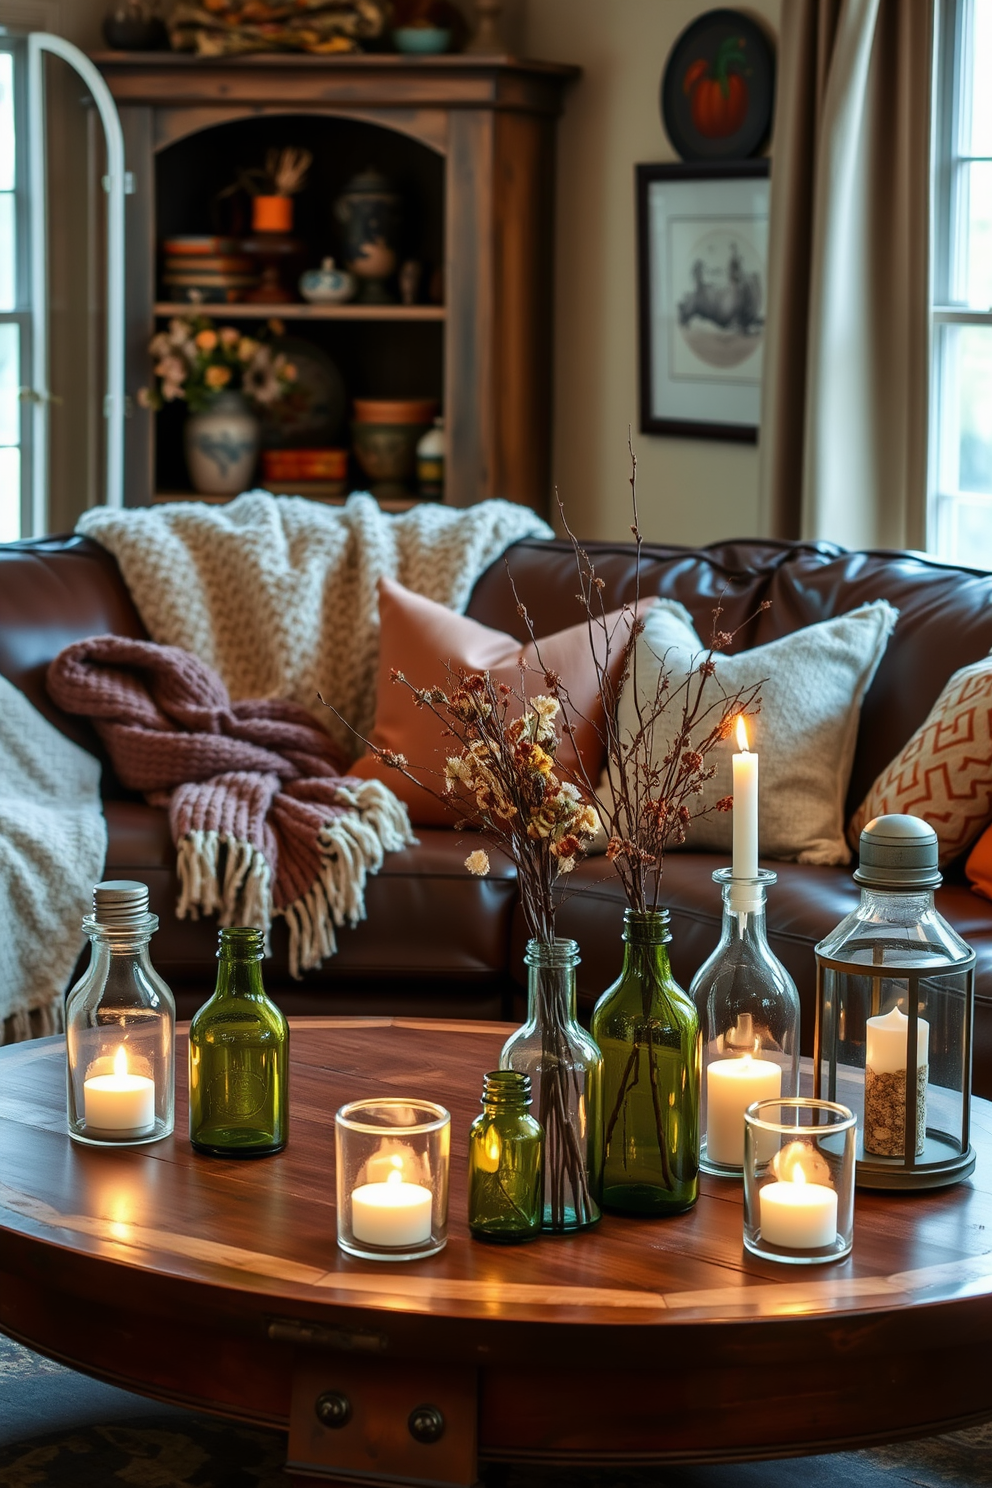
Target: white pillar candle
<point x="745" y="859"/>
<point x="887" y="1042"/>
<point x="120" y="1104"/>
<point x="394" y="1213"/>
<point x="886" y="1066"/>
<point x="731" y="1086"/>
<point x="798" y="1215"/>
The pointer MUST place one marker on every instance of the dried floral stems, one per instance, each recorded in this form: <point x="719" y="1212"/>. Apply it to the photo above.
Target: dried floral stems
<point x="284" y="172"/>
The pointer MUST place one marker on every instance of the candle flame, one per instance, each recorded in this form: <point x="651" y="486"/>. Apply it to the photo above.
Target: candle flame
<point x="120" y="1062"/>
<point x="745" y="1061"/>
<point x="798" y="1176"/>
<point x="396" y="1176"/>
<point x="493" y="1146"/>
<point x="742" y="740"/>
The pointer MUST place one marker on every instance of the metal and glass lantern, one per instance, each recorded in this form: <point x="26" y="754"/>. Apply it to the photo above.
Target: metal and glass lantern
<point x="120" y="1022"/>
<point x="895" y="995"/>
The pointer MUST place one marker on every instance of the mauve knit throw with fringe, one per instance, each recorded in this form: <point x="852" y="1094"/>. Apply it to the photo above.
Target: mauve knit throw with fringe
<point x="264" y="820"/>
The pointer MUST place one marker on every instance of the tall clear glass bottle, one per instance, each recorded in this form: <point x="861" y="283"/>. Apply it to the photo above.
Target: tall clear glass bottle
<point x="505" y="1166"/>
<point x="239" y="1058"/>
<point x="565" y="1068"/>
<point x="648" y="1031"/>
<point x="120" y="1021"/>
<point x="749" y="1014"/>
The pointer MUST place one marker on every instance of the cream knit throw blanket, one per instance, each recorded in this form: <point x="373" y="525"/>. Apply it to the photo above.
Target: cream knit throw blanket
<point x="278" y="594"/>
<point x="53" y="842"/>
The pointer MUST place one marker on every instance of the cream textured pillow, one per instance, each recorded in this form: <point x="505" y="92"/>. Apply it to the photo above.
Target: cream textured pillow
<point x="813" y="682"/>
<point x="944" y="773"/>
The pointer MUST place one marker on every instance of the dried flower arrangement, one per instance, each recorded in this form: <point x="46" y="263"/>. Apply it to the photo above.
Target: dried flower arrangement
<point x="283" y="174"/>
<point x="194" y="361"/>
<point x="650" y="803"/>
<point x="501" y="777"/>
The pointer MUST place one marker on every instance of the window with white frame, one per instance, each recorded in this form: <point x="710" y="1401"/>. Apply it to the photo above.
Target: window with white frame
<point x="960" y="510"/>
<point x="15" y="346"/>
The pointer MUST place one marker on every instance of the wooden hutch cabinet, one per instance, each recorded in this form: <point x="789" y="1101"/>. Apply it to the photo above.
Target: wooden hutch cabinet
<point x="470" y="140"/>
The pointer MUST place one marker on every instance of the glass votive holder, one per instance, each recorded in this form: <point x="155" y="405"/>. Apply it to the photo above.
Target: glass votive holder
<point x="392" y="1158"/>
<point x="799" y="1180"/>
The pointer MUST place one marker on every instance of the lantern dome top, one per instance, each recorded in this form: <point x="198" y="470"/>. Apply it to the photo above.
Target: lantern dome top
<point x="898" y="852"/>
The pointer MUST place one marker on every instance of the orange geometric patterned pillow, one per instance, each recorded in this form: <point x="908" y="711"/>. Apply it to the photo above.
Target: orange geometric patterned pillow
<point x="944" y="773"/>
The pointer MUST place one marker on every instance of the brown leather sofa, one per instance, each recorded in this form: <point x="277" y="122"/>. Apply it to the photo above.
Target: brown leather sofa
<point x="438" y="941"/>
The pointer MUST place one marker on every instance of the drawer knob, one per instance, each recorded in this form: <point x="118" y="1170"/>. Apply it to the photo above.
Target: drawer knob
<point x="333" y="1409"/>
<point x="426" y="1424"/>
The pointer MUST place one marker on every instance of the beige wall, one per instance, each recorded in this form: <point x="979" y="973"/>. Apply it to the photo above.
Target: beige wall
<point x="689" y="491"/>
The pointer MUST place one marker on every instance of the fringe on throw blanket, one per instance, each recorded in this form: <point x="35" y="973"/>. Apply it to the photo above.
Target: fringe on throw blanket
<point x="39" y="1022"/>
<point x="227" y="876"/>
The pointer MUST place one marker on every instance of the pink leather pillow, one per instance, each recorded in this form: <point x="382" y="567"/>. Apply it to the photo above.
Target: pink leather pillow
<point x="422" y="639"/>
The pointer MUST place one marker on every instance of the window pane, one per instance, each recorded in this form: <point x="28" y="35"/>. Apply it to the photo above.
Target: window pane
<point x="10" y="379"/>
<point x="974" y="261"/>
<point x="971" y="348"/>
<point x="8" y="241"/>
<point x="6" y="122"/>
<point x="976" y="131"/>
<point x="10" y="495"/>
<point x="972" y="534"/>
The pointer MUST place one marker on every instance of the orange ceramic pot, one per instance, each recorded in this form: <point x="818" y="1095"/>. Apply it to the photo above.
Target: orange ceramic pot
<point x="272" y="213"/>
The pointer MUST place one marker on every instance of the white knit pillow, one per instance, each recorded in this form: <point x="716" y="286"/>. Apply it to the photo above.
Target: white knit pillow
<point x="812" y="685"/>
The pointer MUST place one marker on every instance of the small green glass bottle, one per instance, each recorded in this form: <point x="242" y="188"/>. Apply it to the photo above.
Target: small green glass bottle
<point x="239" y="1058"/>
<point x="648" y="1030"/>
<point x="505" y="1162"/>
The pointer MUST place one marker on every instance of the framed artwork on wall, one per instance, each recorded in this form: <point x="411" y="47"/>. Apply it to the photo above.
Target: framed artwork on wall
<point x="702" y="249"/>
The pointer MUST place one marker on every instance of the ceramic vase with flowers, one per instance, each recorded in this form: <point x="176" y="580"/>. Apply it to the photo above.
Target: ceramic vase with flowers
<point x="500" y="777"/>
<point x="222" y="376"/>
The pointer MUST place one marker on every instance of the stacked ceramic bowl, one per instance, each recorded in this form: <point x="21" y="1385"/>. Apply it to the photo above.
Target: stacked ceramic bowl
<point x="385" y="432"/>
<point x="200" y="270"/>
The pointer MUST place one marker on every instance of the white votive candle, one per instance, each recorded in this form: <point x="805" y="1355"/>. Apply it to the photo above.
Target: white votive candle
<point x="731" y="1086"/>
<point x="798" y="1215"/>
<point x="745" y="856"/>
<point x="120" y="1104"/>
<point x="393" y="1214"/>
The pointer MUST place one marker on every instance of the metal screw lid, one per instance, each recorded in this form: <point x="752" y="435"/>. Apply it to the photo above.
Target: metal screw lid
<point x="121" y="902"/>
<point x="898" y="852"/>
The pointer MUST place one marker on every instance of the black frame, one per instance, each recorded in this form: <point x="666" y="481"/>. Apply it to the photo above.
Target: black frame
<point x="695" y="171"/>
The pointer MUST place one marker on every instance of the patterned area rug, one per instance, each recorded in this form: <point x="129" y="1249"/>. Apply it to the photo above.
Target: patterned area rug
<point x="190" y="1451"/>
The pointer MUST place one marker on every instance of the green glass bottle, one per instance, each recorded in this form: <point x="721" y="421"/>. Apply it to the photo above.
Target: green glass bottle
<point x="239" y="1058"/>
<point x="648" y="1030"/>
<point x="505" y="1162"/>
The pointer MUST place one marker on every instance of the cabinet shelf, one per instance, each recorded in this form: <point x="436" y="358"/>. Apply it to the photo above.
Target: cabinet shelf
<point x="305" y="312"/>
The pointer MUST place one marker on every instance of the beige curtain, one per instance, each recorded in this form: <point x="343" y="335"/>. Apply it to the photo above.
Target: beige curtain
<point x="843" y="445"/>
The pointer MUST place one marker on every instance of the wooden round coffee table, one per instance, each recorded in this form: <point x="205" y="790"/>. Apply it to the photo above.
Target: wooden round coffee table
<point x="219" y="1285"/>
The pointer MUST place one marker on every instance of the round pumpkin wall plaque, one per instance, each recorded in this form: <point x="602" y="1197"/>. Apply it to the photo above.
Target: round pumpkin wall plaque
<point x="718" y="88"/>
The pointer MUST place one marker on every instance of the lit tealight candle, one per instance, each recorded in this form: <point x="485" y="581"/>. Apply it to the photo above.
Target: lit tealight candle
<point x="393" y="1214"/>
<point x="121" y="1105"/>
<point x="745" y="763"/>
<point x="731" y="1086"/>
<point x="798" y="1215"/>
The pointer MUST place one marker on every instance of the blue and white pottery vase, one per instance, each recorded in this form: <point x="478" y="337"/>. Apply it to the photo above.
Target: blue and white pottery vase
<point x="327" y="285"/>
<point x="222" y="446"/>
